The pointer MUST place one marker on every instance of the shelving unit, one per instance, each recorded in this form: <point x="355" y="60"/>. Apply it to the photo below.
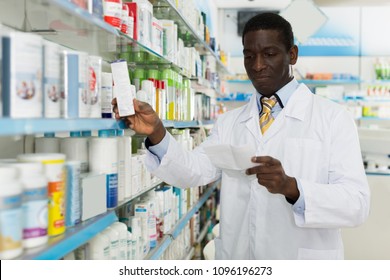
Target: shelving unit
<point x="74" y="237"/>
<point x="66" y="24"/>
<point x="190" y="33"/>
<point x="168" y="239"/>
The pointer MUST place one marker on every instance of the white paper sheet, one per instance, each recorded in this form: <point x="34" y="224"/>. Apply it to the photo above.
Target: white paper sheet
<point x="226" y="156"/>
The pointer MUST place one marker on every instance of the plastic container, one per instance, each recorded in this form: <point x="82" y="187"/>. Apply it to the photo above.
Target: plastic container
<point x="11" y="222"/>
<point x="76" y="149"/>
<point x="113" y="235"/>
<point x="121" y="228"/>
<point x="47" y="144"/>
<point x="98" y="247"/>
<point x="54" y="172"/>
<point x="103" y="159"/>
<point x="35" y="203"/>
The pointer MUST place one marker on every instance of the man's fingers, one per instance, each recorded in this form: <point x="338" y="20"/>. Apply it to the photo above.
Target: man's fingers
<point x="266" y="160"/>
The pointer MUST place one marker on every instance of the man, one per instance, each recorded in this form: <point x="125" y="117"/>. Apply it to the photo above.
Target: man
<point x="309" y="179"/>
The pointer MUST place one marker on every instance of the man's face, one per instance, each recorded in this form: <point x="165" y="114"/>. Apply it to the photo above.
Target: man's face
<point x="266" y="60"/>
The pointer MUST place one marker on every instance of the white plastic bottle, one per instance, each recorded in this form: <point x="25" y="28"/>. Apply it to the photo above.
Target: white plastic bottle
<point x="35" y="203"/>
<point x="98" y="247"/>
<point x="124" y="165"/>
<point x="113" y="235"/>
<point x="130" y="250"/>
<point x="121" y="228"/>
<point x="47" y="144"/>
<point x="11" y="223"/>
<point x="103" y="159"/>
<point x="75" y="148"/>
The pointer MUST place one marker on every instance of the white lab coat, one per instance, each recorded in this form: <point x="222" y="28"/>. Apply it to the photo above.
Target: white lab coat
<point x="317" y="143"/>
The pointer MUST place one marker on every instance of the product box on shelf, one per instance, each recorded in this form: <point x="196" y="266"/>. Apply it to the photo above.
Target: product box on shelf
<point x="145" y="14"/>
<point x="75" y="101"/>
<point x="21" y="71"/>
<point x="93" y="189"/>
<point x="95" y="7"/>
<point x="51" y="80"/>
<point x="157" y="36"/>
<point x="94" y="85"/>
<point x="113" y="12"/>
<point x="133" y="12"/>
<point x="170" y="44"/>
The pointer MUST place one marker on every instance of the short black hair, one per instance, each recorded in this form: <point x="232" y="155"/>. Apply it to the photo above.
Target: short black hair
<point x="271" y="21"/>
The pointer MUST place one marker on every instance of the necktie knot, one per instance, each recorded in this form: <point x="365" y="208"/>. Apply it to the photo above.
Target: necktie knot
<point x="266" y="117"/>
<point x="267" y="104"/>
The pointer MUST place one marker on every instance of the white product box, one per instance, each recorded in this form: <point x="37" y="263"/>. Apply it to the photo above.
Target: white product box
<point x="21" y="68"/>
<point x="51" y="80"/>
<point x="75" y="101"/>
<point x="95" y="86"/>
<point x="170" y="31"/>
<point x="94" y="195"/>
<point x="144" y="24"/>
<point x="157" y="36"/>
<point x="106" y="95"/>
<point x="123" y="92"/>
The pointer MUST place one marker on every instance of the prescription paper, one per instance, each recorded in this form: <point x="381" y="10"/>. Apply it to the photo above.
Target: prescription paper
<point x="230" y="157"/>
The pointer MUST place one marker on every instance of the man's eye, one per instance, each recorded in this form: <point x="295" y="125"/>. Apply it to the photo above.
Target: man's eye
<point x="248" y="56"/>
<point x="268" y="54"/>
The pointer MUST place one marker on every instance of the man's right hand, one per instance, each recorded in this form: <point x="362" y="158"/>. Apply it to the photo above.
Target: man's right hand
<point x="145" y="121"/>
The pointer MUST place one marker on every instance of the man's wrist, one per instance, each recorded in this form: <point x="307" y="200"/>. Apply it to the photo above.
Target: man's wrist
<point x="157" y="135"/>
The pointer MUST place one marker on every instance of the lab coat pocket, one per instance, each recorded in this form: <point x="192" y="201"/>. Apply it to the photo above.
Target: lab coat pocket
<point x="312" y="254"/>
<point x="303" y="157"/>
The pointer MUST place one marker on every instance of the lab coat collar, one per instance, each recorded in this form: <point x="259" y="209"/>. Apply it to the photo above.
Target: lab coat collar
<point x="295" y="108"/>
<point x="297" y="105"/>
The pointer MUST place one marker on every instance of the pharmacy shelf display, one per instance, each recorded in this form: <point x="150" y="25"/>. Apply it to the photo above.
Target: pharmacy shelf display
<point x="156" y="252"/>
<point x="74" y="237"/>
<point x="186" y="28"/>
<point x="66" y="24"/>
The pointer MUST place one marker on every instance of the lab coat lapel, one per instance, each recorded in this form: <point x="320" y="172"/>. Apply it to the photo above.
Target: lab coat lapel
<point x="250" y="118"/>
<point x="295" y="108"/>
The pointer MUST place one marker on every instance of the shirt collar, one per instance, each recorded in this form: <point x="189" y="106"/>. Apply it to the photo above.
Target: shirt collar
<point x="284" y="93"/>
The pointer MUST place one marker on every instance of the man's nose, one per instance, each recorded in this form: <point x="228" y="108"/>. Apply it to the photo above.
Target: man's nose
<point x="258" y="63"/>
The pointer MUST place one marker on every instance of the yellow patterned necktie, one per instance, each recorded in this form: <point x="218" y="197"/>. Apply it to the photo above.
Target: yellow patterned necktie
<point x="266" y="117"/>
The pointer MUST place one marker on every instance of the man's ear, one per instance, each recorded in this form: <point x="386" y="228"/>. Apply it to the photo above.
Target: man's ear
<point x="293" y="55"/>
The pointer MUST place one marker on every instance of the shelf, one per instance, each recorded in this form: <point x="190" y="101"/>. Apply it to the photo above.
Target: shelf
<point x="62" y="22"/>
<point x="377" y="173"/>
<point x="187" y="124"/>
<point x="239" y="81"/>
<point x="330" y="82"/>
<point x="203" y="232"/>
<point x="374" y="119"/>
<point x="10" y="127"/>
<point x="34" y="126"/>
<point x="61" y="245"/>
<point x="156" y="252"/>
<point x="190" y="34"/>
